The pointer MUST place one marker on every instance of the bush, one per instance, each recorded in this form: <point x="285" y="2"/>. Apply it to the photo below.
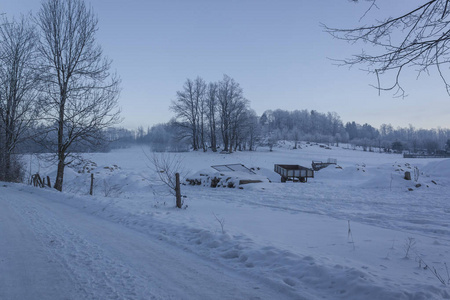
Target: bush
<point x="14" y="173"/>
<point x="397" y="146"/>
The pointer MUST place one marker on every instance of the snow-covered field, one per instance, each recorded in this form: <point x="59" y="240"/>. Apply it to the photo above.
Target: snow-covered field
<point x="359" y="231"/>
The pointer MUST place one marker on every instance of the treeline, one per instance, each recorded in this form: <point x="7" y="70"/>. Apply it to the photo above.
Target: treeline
<point x="216" y="115"/>
<point x="272" y="126"/>
<point x="328" y="128"/>
<point x="275" y="125"/>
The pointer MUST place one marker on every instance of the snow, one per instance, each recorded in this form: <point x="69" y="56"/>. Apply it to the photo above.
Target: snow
<point x="341" y="235"/>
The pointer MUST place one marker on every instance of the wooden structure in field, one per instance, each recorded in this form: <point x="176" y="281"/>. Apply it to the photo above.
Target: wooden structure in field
<point x="317" y="165"/>
<point x="239" y="168"/>
<point x="233" y="168"/>
<point x="294" y="173"/>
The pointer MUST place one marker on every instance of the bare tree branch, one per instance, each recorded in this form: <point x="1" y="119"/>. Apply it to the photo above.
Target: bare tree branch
<point x="418" y="38"/>
<point x="168" y="167"/>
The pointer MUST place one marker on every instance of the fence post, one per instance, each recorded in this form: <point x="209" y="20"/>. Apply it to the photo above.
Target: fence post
<point x="92" y="184"/>
<point x="177" y="189"/>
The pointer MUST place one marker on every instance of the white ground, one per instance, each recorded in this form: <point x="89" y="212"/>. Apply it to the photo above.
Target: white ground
<point x="341" y="235"/>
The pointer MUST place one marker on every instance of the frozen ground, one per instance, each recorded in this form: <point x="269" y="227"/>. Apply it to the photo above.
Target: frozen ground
<point x="342" y="235"/>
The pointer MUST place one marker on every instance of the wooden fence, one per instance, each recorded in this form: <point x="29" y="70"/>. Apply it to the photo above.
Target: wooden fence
<point x="425" y="156"/>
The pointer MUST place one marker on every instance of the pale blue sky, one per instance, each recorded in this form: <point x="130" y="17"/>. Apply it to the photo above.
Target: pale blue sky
<point x="275" y="49"/>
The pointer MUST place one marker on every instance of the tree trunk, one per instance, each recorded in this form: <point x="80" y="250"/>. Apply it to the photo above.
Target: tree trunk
<point x="177" y="190"/>
<point x="230" y="142"/>
<point x="194" y="138"/>
<point x="213" y="142"/>
<point x="213" y="134"/>
<point x="59" y="176"/>
<point x="61" y="150"/>
<point x="91" y="190"/>
<point x="202" y="131"/>
<point x="7" y="166"/>
<point x="8" y="147"/>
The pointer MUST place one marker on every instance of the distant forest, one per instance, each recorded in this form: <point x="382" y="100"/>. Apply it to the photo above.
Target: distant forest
<point x="272" y="126"/>
<point x="216" y="117"/>
<point x="302" y="125"/>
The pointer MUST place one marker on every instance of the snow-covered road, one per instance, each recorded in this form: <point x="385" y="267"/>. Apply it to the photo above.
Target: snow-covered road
<point x="27" y="270"/>
<point x="53" y="251"/>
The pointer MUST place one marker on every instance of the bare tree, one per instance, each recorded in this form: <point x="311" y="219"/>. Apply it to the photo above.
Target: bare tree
<point x="81" y="92"/>
<point x="239" y="118"/>
<point x="252" y="129"/>
<point x="185" y="109"/>
<point x="200" y="107"/>
<point x="231" y="105"/>
<point x="189" y="108"/>
<point x="211" y="112"/>
<point x="18" y="91"/>
<point x="200" y="95"/>
<point x="168" y="168"/>
<point x="417" y="38"/>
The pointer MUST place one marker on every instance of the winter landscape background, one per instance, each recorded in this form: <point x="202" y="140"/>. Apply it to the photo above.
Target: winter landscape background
<point x="157" y="175"/>
<point x="342" y="235"/>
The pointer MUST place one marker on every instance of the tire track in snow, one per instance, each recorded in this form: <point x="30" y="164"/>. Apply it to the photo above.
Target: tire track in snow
<point x="110" y="261"/>
<point x="98" y="276"/>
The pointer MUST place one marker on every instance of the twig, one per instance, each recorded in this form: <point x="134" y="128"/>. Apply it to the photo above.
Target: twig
<point x="448" y="276"/>
<point x="434" y="271"/>
<point x="350" y="235"/>
<point x="221" y="222"/>
<point x="409" y="245"/>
